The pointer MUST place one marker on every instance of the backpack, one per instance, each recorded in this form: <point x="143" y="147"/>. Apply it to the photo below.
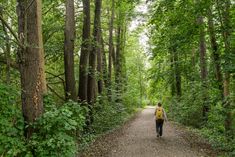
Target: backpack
<point x="159" y="113"/>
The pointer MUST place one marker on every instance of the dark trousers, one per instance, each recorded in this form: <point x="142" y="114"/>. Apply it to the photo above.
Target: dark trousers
<point x="159" y="125"/>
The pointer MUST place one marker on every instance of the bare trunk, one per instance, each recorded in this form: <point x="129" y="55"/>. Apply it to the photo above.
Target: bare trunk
<point x="111" y="50"/>
<point x="31" y="61"/>
<point x="92" y="92"/>
<point x="100" y="66"/>
<point x="203" y="65"/>
<point x="226" y="35"/>
<point x="202" y="49"/>
<point x="114" y="57"/>
<point x="104" y="64"/>
<point x="85" y="51"/>
<point x="172" y="74"/>
<point x="70" y="88"/>
<point x="118" y="69"/>
<point x="123" y="59"/>
<point x="177" y="75"/>
<point x="100" y="49"/>
<point x="193" y="61"/>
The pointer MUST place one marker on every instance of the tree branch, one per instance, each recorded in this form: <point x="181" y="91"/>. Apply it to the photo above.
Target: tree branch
<point x="11" y="31"/>
<point x="30" y="4"/>
<point x="58" y="76"/>
<point x="53" y="91"/>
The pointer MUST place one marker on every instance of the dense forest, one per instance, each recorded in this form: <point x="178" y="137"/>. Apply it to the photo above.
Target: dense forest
<point x="72" y="70"/>
<point x="193" y="65"/>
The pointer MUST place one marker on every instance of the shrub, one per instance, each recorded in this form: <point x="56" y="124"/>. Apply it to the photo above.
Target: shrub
<point x="188" y="110"/>
<point x="214" y="131"/>
<point x="107" y="115"/>
<point x="57" y="130"/>
<point x="11" y="123"/>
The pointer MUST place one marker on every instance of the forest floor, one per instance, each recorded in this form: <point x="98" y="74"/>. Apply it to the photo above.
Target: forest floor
<point x="138" y="138"/>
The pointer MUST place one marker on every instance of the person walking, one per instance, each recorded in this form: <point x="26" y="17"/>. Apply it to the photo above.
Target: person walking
<point x="160" y="117"/>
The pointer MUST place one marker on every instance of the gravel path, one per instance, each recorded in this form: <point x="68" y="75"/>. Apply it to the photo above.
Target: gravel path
<point x="138" y="139"/>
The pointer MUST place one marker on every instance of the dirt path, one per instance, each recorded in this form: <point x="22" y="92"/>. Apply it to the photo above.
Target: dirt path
<point x="138" y="139"/>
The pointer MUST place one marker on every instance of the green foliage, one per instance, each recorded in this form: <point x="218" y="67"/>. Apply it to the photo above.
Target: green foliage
<point x="215" y="131"/>
<point x="107" y="116"/>
<point x="189" y="109"/>
<point x="57" y="130"/>
<point x="175" y="36"/>
<point x="85" y="140"/>
<point x="11" y="123"/>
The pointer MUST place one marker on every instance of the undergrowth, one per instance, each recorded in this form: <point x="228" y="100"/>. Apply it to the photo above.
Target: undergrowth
<point x="59" y="131"/>
<point x="56" y="130"/>
<point x="188" y="111"/>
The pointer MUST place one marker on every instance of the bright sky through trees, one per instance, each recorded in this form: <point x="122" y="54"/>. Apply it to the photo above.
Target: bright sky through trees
<point x="141" y="20"/>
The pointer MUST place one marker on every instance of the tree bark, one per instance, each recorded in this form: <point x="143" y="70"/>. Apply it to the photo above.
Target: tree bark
<point x="31" y="61"/>
<point x="177" y="74"/>
<point x="176" y="81"/>
<point x="226" y="30"/>
<point x="100" y="66"/>
<point x="123" y="59"/>
<point x="202" y="48"/>
<point x="203" y="65"/>
<point x="70" y="91"/>
<point x="92" y="92"/>
<point x="104" y="64"/>
<point x="118" y="69"/>
<point x="173" y="91"/>
<point x="111" y="50"/>
<point x="85" y="51"/>
<point x="100" y="48"/>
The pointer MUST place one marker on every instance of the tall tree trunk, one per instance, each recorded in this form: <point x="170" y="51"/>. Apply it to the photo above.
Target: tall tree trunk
<point x="114" y="57"/>
<point x="203" y="65"/>
<point x="70" y="90"/>
<point x="223" y="8"/>
<point x="118" y="70"/>
<point x="140" y="71"/>
<point x="85" y="51"/>
<point x="111" y="50"/>
<point x="119" y="52"/>
<point x="177" y="74"/>
<point x="173" y="91"/>
<point x="31" y="61"/>
<point x="215" y="52"/>
<point x="123" y="59"/>
<point x="226" y="30"/>
<point x="92" y="92"/>
<point x="193" y="61"/>
<point x="100" y="60"/>
<point x="104" y="64"/>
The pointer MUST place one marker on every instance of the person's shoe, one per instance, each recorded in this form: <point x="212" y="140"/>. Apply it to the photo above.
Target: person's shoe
<point x="157" y="135"/>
